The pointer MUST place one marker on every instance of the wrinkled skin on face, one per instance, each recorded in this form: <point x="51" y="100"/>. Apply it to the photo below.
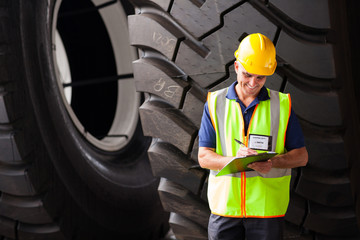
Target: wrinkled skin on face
<point x="249" y="84"/>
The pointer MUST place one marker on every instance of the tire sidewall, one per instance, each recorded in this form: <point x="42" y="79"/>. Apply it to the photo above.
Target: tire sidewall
<point x="116" y="182"/>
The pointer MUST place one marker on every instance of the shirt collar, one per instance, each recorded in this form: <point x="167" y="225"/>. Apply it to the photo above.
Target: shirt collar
<point x="262" y="96"/>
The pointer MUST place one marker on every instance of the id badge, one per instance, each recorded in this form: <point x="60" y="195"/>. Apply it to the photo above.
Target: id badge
<point x="260" y="142"/>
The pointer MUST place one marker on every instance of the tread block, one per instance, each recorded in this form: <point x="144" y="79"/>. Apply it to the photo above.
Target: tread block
<point x="9" y="98"/>
<point x="311" y="59"/>
<point x="222" y="44"/>
<point x="176" y="198"/>
<point x="24" y="209"/>
<point x="160" y="38"/>
<point x="8" y="148"/>
<point x="45" y="232"/>
<point x="204" y="191"/>
<point x="15" y="180"/>
<point x="200" y="20"/>
<point x="195" y="150"/>
<point x="327" y="237"/>
<point x="306" y="82"/>
<point x="4" y="115"/>
<point x="226" y="82"/>
<point x="170" y="163"/>
<point x="322" y="152"/>
<point x="336" y="222"/>
<point x="296" y="210"/>
<point x="186" y="229"/>
<point x="7" y="227"/>
<point x="314" y="14"/>
<point x="164" y="4"/>
<point x="326" y="111"/>
<point x="274" y="82"/>
<point x="296" y="233"/>
<point x="154" y="77"/>
<point x="161" y="121"/>
<point x="325" y="188"/>
<point x="194" y="105"/>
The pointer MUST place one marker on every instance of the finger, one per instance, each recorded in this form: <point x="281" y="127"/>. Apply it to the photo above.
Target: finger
<point x="246" y="151"/>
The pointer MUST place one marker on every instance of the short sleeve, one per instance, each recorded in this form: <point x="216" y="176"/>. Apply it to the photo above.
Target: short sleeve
<point x="294" y="134"/>
<point x="207" y="135"/>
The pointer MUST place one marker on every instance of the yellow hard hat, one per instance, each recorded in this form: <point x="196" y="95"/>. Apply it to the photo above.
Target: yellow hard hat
<point x="257" y="54"/>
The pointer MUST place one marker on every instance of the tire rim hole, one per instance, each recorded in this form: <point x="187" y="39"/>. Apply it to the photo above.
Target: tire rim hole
<point x="96" y="84"/>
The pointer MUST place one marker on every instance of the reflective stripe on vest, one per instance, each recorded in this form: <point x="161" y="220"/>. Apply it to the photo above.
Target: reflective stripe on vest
<point x="249" y="194"/>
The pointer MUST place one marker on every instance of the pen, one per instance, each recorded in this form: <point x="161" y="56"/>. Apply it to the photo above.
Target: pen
<point x="239" y="142"/>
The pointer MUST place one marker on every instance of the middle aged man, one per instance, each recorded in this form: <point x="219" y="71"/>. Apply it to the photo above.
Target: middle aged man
<point x="250" y="204"/>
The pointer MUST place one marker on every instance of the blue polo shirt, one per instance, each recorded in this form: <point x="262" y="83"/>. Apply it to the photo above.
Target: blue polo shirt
<point x="207" y="135"/>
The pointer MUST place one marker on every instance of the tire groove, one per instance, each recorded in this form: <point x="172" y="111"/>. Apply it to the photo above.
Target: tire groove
<point x="328" y="133"/>
<point x="198" y="3"/>
<point x="227" y="75"/>
<point x="41" y="231"/>
<point x="316" y="85"/>
<point x="297" y="30"/>
<point x="222" y="21"/>
<point x="16" y="230"/>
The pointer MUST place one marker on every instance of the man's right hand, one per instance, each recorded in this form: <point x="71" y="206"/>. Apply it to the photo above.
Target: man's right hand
<point x="245" y="151"/>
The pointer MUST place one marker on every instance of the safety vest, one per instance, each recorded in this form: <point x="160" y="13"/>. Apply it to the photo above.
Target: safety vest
<point x="250" y="193"/>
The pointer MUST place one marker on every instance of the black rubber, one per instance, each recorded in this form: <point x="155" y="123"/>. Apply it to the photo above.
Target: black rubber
<point x="187" y="49"/>
<point x="54" y="184"/>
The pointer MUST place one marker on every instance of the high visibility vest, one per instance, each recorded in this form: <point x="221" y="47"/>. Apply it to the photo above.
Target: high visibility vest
<point x="250" y="193"/>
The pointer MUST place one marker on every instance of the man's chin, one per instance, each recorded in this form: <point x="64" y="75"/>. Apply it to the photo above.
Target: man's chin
<point x="252" y="92"/>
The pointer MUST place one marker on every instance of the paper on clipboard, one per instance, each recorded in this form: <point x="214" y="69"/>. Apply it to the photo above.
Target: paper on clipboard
<point x="239" y="164"/>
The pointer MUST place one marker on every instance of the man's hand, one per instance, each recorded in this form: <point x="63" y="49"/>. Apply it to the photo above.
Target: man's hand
<point x="244" y="151"/>
<point x="262" y="167"/>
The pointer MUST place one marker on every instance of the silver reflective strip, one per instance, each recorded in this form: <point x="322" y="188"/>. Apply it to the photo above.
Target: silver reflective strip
<point x="274" y="173"/>
<point x="275" y="115"/>
<point x="220" y="115"/>
<point x="238" y="174"/>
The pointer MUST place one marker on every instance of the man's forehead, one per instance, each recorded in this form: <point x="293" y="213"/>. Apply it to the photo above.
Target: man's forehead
<point x="250" y="74"/>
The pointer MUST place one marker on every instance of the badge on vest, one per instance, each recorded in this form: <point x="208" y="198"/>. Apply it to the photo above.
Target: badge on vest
<point x="260" y="142"/>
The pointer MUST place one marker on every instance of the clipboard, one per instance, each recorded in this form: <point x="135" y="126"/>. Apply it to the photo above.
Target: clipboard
<point x="240" y="164"/>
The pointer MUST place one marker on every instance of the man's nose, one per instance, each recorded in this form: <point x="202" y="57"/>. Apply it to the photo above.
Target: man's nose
<point x="253" y="81"/>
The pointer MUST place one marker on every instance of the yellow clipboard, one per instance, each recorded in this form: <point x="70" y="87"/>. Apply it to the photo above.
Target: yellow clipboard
<point x="240" y="164"/>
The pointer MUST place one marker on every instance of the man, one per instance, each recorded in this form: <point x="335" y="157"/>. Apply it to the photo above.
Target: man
<point x="250" y="204"/>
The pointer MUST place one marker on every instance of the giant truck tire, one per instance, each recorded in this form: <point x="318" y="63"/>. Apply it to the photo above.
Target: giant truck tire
<point x="186" y="49"/>
<point x="73" y="158"/>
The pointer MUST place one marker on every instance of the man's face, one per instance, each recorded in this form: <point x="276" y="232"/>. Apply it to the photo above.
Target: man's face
<point x="249" y="84"/>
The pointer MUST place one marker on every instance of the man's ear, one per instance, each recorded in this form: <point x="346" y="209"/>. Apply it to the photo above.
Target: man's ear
<point x="236" y="66"/>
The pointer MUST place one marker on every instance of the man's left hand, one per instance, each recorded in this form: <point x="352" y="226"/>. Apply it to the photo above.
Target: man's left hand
<point x="262" y="167"/>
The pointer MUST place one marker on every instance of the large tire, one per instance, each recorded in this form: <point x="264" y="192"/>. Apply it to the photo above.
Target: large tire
<point x="187" y="49"/>
<point x="59" y="177"/>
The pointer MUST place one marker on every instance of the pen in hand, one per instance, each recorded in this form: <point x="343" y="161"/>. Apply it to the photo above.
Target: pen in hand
<point x="239" y="142"/>
<point x="244" y="151"/>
